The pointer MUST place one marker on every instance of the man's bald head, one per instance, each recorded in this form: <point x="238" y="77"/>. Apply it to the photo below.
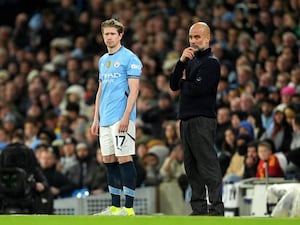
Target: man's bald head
<point x="203" y="27"/>
<point x="199" y="36"/>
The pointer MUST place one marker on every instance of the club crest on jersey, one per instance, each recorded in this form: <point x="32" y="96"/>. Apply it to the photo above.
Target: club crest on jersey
<point x="108" y="63"/>
<point x="117" y="64"/>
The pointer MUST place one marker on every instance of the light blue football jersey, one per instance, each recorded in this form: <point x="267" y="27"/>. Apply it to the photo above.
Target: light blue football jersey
<point x="114" y="71"/>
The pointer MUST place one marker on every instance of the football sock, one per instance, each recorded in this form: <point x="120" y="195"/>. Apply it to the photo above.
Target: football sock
<point x="114" y="183"/>
<point x="128" y="173"/>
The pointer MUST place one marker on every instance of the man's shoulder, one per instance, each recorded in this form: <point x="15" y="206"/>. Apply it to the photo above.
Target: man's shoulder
<point x="212" y="60"/>
<point x="126" y="51"/>
<point x="104" y="56"/>
<point x="212" y="57"/>
<point x="131" y="58"/>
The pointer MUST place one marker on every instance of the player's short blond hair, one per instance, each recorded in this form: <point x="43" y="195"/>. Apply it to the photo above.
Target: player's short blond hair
<point x="113" y="23"/>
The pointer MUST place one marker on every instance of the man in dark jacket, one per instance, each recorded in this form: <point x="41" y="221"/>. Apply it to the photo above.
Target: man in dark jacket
<point x="59" y="184"/>
<point x="197" y="75"/>
<point x="18" y="156"/>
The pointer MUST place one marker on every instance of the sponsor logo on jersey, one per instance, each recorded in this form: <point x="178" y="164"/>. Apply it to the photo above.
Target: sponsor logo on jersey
<point x="134" y="66"/>
<point x="111" y="75"/>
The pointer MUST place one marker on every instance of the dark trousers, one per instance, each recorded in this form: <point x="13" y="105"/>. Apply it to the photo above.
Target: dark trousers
<point x="294" y="156"/>
<point x="202" y="166"/>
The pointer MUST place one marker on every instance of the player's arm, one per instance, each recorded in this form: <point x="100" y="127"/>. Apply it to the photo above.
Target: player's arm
<point x="95" y="124"/>
<point x="133" y="84"/>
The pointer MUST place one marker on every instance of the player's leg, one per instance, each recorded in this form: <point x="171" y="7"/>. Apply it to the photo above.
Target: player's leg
<point x="125" y="147"/>
<point x="113" y="170"/>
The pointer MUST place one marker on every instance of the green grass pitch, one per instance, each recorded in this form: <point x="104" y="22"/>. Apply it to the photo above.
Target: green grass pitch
<point x="141" y="220"/>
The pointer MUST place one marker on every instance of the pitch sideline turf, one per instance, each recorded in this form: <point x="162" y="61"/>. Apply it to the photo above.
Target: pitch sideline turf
<point x="141" y="220"/>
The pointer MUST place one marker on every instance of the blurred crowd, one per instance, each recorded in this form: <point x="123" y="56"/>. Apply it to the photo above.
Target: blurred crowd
<point x="49" y="77"/>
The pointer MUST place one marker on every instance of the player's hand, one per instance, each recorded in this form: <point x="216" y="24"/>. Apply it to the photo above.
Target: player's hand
<point x="39" y="187"/>
<point x="187" y="54"/>
<point x="55" y="191"/>
<point x="95" y="128"/>
<point x="123" y="126"/>
<point x="249" y="161"/>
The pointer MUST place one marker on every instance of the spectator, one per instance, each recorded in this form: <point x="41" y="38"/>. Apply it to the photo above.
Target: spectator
<point x="75" y="94"/>
<point x="282" y="80"/>
<point x="152" y="161"/>
<point x="142" y="148"/>
<point x="172" y="167"/>
<point x="293" y="168"/>
<point x="90" y="90"/>
<point x="228" y="149"/>
<point x="170" y="134"/>
<point x="244" y="75"/>
<point x="68" y="158"/>
<point x="251" y="160"/>
<point x="267" y="112"/>
<point x="60" y="185"/>
<point x="83" y="167"/>
<point x="17" y="154"/>
<point x="235" y="169"/>
<point x="31" y="128"/>
<point x="247" y="103"/>
<point x="40" y="147"/>
<point x="236" y="118"/>
<point x="9" y="123"/>
<point x="269" y="164"/>
<point x="290" y="113"/>
<point x="164" y="111"/>
<point x="235" y="104"/>
<point x="162" y="83"/>
<point x="274" y="95"/>
<point x="96" y="178"/>
<point x="171" y="199"/>
<point x="51" y="122"/>
<point x="223" y="122"/>
<point x="279" y="131"/>
<point x="295" y="76"/>
<point x="255" y="119"/>
<point x="286" y="94"/>
<point x="46" y="136"/>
